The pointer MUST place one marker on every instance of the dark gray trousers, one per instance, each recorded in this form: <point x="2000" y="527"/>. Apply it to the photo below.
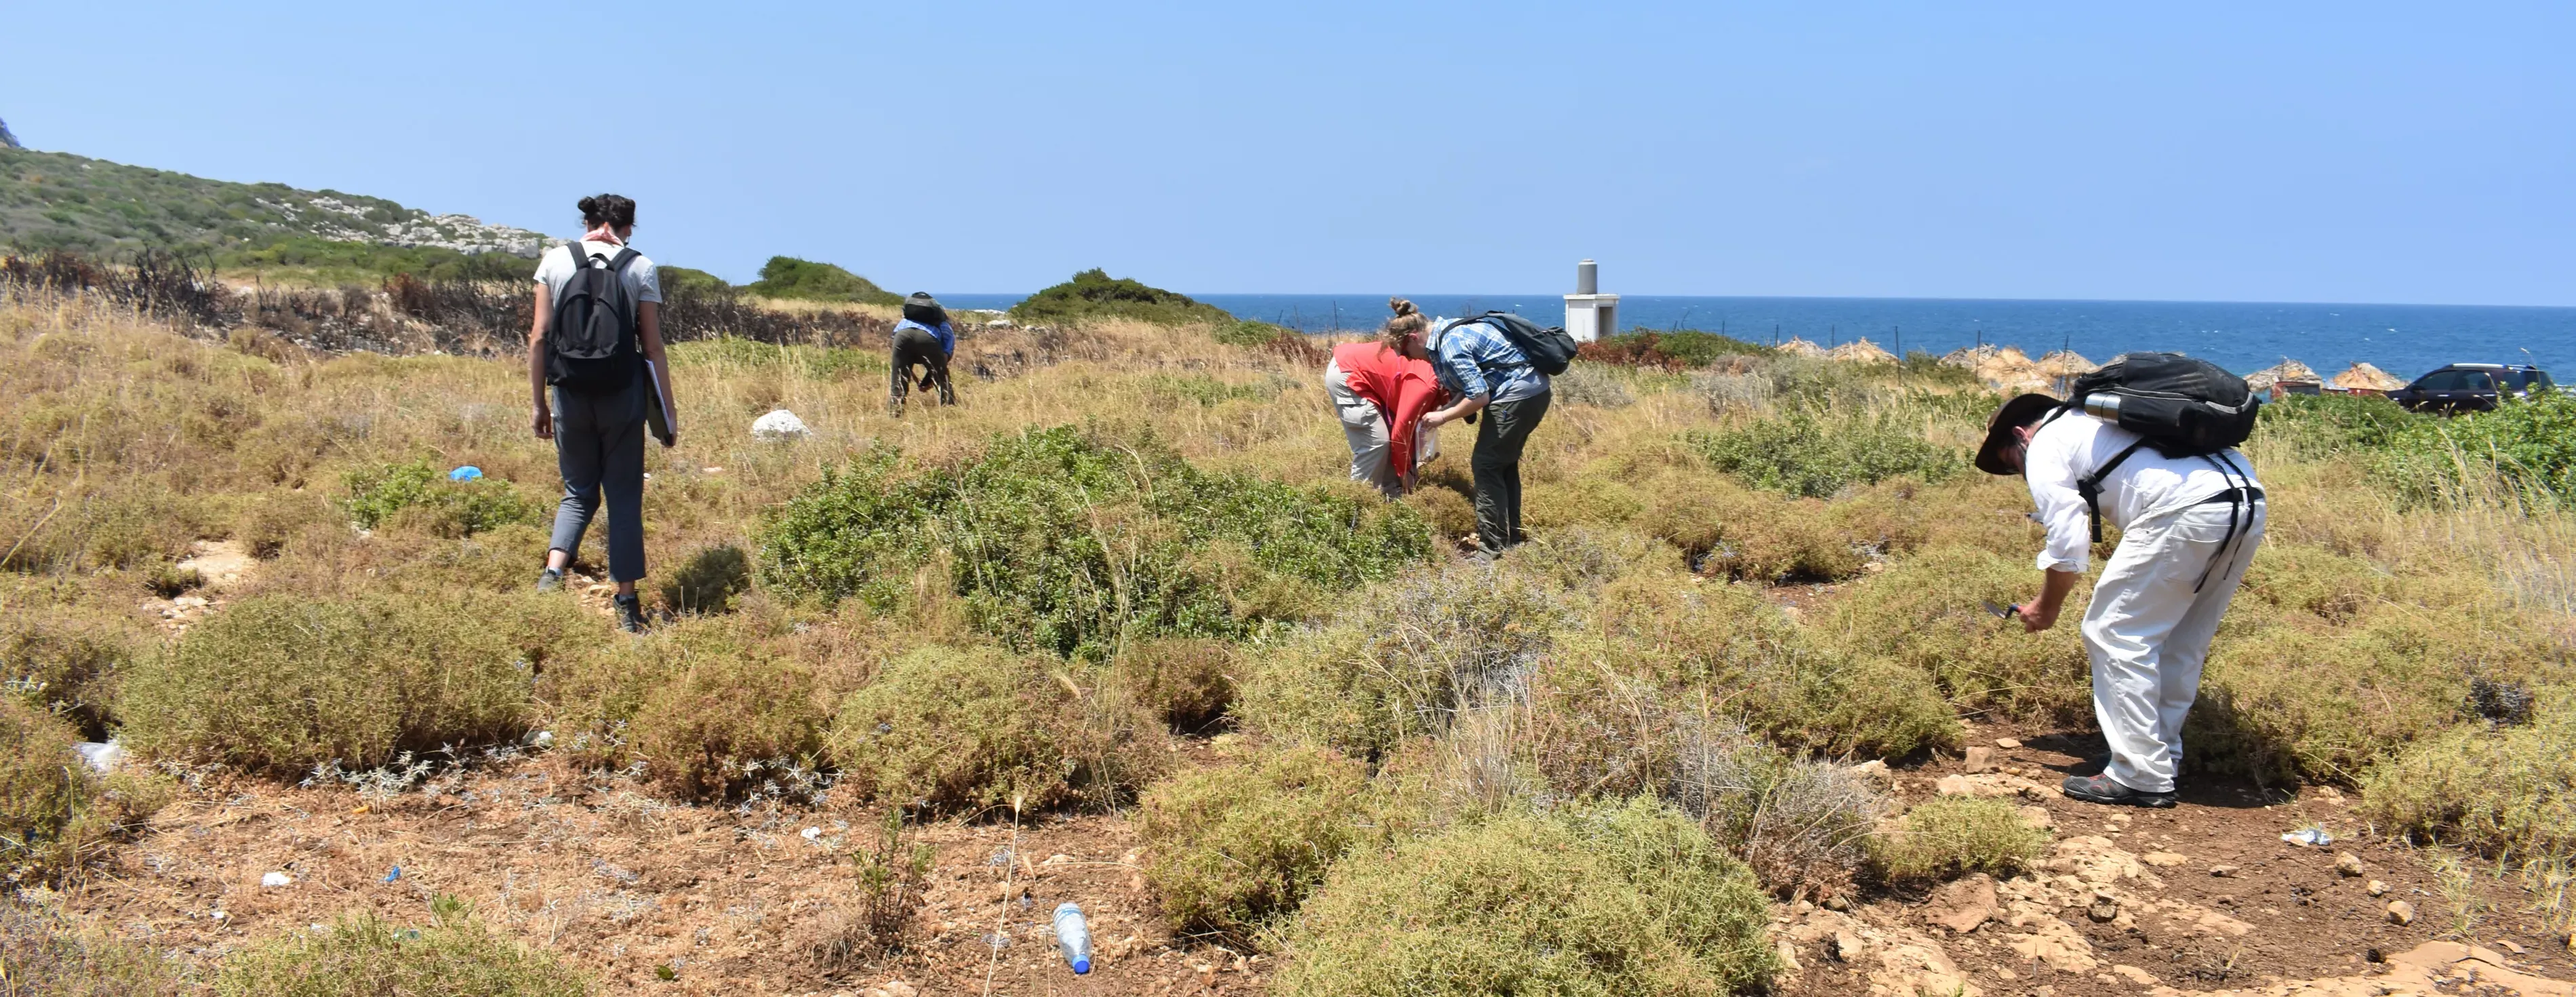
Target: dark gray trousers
<point x="913" y="347"/>
<point x="599" y="446"/>
<point x="1505" y="429"/>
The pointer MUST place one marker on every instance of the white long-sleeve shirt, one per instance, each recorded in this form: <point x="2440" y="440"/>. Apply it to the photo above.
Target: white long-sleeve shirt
<point x="2147" y="484"/>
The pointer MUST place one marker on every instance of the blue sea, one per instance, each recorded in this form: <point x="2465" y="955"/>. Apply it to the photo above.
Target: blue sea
<point x="2405" y="340"/>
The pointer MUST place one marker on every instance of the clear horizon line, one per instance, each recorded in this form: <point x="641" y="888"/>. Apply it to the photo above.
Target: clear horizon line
<point x="1849" y="297"/>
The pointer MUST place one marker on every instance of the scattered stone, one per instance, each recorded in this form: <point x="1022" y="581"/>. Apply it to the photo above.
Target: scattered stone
<point x="1953" y="785"/>
<point x="2378" y="888"/>
<point x="778" y="425"/>
<point x="276" y="879"/>
<point x="2348" y="864"/>
<point x="1837" y="903"/>
<point x="1874" y="772"/>
<point x="1788" y="957"/>
<point x="2104" y="910"/>
<point x="2401" y="913"/>
<point x="1963" y="905"/>
<point x="1981" y="760"/>
<point x="1843" y="947"/>
<point x="2509" y="946"/>
<point x="2008" y="743"/>
<point x="2037" y="818"/>
<point x="2222" y="871"/>
<point x="2135" y="975"/>
<point x="2163" y="860"/>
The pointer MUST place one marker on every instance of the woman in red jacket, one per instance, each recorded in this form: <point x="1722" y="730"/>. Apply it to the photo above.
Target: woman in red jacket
<point x="1380" y="389"/>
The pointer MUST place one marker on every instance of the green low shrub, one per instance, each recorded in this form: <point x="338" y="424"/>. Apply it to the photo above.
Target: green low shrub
<point x="1403" y="659"/>
<point x="2530" y="446"/>
<point x="1186" y="681"/>
<point x="709" y="580"/>
<point x="1093" y="294"/>
<point x="48" y="956"/>
<point x="363" y="955"/>
<point x="1924" y="614"/>
<point x="2326" y="427"/>
<point x="1251" y="333"/>
<point x="1818" y="456"/>
<point x="963" y="730"/>
<point x="1725" y="642"/>
<point x="1623" y="899"/>
<point x="1068" y="541"/>
<point x="69" y="659"/>
<point x="1955" y="835"/>
<point x="418" y="496"/>
<point x="2508" y="792"/>
<point x="725" y="715"/>
<point x="55" y="812"/>
<point x="1236" y="845"/>
<point x="283" y="683"/>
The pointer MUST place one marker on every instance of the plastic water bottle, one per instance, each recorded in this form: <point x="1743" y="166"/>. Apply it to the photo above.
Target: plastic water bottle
<point x="1073" y="936"/>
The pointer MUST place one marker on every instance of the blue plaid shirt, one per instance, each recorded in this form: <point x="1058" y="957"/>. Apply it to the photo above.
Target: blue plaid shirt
<point x="1474" y="357"/>
<point x="947" y="337"/>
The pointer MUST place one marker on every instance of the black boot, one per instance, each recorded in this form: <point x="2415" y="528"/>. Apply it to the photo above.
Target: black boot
<point x="630" y="614"/>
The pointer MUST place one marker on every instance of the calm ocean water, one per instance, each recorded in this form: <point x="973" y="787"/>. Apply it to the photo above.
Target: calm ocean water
<point x="2405" y="340"/>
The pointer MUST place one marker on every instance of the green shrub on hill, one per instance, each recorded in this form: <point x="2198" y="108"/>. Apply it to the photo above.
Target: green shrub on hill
<point x="54" y="200"/>
<point x="69" y="660"/>
<point x="789" y="277"/>
<point x="1239" y="844"/>
<point x="363" y="955"/>
<point x="1070" y="541"/>
<point x="1093" y="294"/>
<point x="1251" y="333"/>
<point x="1616" y="899"/>
<point x="683" y="282"/>
<point x="1923" y="613"/>
<point x="325" y="259"/>
<point x="1818" y="456"/>
<point x="956" y="730"/>
<point x="283" y="683"/>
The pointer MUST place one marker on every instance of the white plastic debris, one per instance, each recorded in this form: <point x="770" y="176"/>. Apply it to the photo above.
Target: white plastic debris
<point x="101" y="755"/>
<point x="811" y="833"/>
<point x="277" y="879"/>
<point x="999" y="323"/>
<point x="779" y="424"/>
<point x="2311" y="836"/>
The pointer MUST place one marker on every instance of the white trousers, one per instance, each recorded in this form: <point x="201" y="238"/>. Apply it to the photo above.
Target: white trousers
<point x="2148" y="632"/>
<point x="1372" y="457"/>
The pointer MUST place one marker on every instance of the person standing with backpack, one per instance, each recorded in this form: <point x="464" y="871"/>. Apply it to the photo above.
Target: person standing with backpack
<point x="1497" y="365"/>
<point x="597" y="340"/>
<point x="1380" y="390"/>
<point x="923" y="339"/>
<point x="2147" y="443"/>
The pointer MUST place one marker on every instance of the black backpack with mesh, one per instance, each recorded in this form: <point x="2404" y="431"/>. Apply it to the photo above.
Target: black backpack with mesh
<point x="1549" y="349"/>
<point x="590" y="345"/>
<point x="2181" y="406"/>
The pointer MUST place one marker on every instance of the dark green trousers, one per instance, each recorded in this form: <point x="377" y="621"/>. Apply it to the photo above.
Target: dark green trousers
<point x="1504" y="430"/>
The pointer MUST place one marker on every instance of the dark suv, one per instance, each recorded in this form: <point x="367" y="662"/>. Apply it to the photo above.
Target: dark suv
<point x="2472" y="387"/>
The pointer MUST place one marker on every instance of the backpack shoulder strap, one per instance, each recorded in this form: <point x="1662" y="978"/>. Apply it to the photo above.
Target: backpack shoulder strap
<point x="625" y="255"/>
<point x="2090" y="486"/>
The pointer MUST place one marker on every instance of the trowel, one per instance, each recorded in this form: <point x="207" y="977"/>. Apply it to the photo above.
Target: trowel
<point x="2002" y="612"/>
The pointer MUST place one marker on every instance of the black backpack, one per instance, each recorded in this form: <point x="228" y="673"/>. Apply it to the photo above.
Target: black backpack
<point x="2182" y="406"/>
<point x="1549" y="349"/>
<point x="590" y="345"/>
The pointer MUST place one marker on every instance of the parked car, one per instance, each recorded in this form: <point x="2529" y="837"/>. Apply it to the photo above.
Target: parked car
<point x="2472" y="387"/>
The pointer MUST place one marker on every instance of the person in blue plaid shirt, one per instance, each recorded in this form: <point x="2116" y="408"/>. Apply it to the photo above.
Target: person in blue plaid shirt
<point x="1480" y="367"/>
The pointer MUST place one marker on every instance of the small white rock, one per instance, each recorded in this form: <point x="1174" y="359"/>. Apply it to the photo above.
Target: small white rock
<point x="277" y="879"/>
<point x="811" y="833"/>
<point x="778" y="425"/>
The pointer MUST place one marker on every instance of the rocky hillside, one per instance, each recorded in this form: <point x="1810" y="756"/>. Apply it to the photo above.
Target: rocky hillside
<point x="54" y="200"/>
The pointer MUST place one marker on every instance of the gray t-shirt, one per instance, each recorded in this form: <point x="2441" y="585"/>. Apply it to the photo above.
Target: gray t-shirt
<point x="555" y="269"/>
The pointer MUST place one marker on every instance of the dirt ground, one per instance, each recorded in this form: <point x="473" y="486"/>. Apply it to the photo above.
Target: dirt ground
<point x="734" y="901"/>
<point x="655" y="897"/>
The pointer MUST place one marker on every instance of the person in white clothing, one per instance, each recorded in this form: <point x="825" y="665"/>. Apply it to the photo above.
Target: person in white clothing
<point x="2188" y="528"/>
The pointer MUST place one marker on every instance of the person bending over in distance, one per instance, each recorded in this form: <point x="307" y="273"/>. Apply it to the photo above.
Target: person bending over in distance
<point x="923" y="339"/>
<point x="598" y="320"/>
<point x="1486" y="373"/>
<point x="2188" y="528"/>
<point x="1381" y="388"/>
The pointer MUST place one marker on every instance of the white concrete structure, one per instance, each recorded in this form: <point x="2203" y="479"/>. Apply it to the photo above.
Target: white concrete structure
<point x="1590" y="314"/>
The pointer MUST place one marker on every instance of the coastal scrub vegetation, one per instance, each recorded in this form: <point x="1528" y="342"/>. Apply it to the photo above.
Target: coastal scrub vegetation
<point x="805" y="280"/>
<point x="1094" y="295"/>
<point x="1130" y="571"/>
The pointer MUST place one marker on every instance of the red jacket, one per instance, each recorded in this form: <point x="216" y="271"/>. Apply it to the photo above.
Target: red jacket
<point x="1402" y="388"/>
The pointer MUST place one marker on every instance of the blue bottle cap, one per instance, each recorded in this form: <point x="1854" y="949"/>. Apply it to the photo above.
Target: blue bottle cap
<point x="1081" y="966"/>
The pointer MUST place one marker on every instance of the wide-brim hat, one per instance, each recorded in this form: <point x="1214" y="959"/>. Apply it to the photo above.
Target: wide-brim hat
<point x="1999" y="430"/>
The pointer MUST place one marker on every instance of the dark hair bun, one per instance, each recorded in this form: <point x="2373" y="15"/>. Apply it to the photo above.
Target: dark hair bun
<point x="612" y="210"/>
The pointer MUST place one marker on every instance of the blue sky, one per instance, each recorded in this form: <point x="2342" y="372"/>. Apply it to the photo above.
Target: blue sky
<point x="2271" y="152"/>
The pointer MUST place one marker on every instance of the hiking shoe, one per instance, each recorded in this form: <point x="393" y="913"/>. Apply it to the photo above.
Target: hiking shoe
<point x="630" y="614"/>
<point x="2100" y="789"/>
<point x="549" y="580"/>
